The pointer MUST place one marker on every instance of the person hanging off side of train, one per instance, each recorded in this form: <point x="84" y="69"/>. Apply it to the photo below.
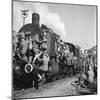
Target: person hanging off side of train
<point x="14" y="42"/>
<point x="43" y="69"/>
<point x="35" y="63"/>
<point x="61" y="64"/>
<point x="30" y="53"/>
<point x="24" y="46"/>
<point x="41" y="60"/>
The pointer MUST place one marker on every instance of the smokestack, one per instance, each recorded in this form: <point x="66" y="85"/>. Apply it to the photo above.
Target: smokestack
<point x="35" y="19"/>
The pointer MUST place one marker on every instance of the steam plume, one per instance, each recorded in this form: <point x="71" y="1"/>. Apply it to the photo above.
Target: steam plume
<point x="51" y="20"/>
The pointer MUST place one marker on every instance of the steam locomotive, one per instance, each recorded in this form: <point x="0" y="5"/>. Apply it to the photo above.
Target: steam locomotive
<point x="58" y="65"/>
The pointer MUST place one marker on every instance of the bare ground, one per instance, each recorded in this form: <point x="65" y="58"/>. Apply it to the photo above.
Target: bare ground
<point x="60" y="87"/>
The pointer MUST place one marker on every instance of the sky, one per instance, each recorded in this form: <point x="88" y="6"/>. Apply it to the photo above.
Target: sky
<point x="74" y="23"/>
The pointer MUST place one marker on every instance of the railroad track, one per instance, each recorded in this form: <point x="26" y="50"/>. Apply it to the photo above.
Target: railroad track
<point x="25" y="91"/>
<point x="84" y="90"/>
<point x="17" y="93"/>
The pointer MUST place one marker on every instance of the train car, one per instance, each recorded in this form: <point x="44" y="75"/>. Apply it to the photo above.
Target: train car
<point x="46" y="39"/>
<point x="68" y="59"/>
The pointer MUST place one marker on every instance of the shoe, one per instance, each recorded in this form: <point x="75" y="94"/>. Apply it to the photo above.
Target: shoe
<point x="40" y="77"/>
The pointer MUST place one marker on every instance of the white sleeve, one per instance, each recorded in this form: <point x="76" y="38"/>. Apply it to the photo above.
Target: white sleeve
<point x="34" y="59"/>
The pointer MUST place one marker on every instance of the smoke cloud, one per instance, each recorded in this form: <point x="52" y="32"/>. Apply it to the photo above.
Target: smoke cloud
<point x="51" y="20"/>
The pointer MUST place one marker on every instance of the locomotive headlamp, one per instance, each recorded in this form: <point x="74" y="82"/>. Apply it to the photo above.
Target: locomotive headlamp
<point x="24" y="14"/>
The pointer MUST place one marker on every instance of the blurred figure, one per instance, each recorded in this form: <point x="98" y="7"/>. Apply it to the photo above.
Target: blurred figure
<point x="35" y="63"/>
<point x="24" y="46"/>
<point x="90" y="74"/>
<point x="44" y="66"/>
<point x="14" y="42"/>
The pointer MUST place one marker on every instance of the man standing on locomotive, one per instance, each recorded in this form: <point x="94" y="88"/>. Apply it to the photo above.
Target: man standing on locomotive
<point x="24" y="46"/>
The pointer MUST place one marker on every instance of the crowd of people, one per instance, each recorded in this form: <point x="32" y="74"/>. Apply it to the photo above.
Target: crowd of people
<point x="87" y="78"/>
<point x="34" y="54"/>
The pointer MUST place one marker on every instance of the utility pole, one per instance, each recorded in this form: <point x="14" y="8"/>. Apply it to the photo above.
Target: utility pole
<point x="24" y="14"/>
